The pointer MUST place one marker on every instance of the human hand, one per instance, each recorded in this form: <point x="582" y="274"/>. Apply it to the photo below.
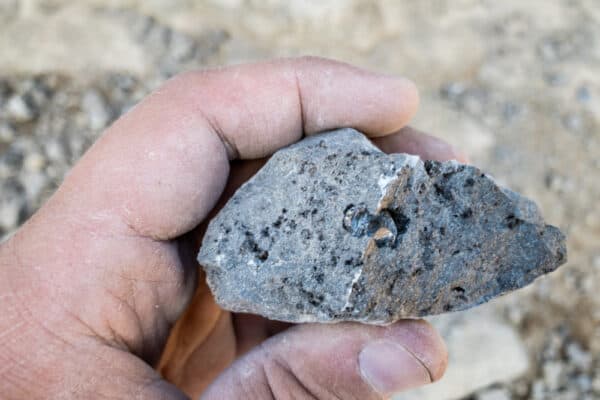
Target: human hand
<point x="92" y="284"/>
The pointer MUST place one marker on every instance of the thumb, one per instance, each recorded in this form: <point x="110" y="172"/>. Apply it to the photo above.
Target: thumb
<point x="341" y="361"/>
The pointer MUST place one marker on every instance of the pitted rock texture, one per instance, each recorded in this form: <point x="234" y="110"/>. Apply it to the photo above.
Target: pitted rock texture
<point x="332" y="229"/>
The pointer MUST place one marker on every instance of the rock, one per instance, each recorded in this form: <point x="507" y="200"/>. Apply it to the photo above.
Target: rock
<point x="34" y="184"/>
<point x="7" y="133"/>
<point x="55" y="150"/>
<point x="596" y="384"/>
<point x="554" y="372"/>
<point x="34" y="162"/>
<point x="583" y="383"/>
<point x="494" y="394"/>
<point x="11" y="161"/>
<point x="578" y="356"/>
<point x="333" y="229"/>
<point x="501" y="356"/>
<point x="538" y="391"/>
<point x="19" y="110"/>
<point x="94" y="105"/>
<point x="12" y="205"/>
<point x="181" y="47"/>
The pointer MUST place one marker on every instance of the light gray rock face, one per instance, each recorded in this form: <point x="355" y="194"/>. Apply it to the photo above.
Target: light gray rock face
<point x="332" y="229"/>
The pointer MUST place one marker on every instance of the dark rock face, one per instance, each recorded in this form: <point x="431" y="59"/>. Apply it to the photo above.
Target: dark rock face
<point x="332" y="229"/>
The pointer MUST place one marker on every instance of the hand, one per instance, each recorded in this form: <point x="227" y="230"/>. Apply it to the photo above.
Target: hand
<point x="92" y="284"/>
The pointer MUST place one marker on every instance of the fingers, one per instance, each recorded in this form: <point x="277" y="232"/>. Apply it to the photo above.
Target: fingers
<point x="259" y="108"/>
<point x="162" y="166"/>
<point x="336" y="361"/>
<point x="411" y="141"/>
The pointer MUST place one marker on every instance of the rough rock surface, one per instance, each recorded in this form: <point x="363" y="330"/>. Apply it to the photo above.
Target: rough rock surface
<point x="333" y="229"/>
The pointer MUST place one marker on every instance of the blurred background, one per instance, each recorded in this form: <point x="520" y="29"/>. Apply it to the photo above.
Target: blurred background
<point x="515" y="84"/>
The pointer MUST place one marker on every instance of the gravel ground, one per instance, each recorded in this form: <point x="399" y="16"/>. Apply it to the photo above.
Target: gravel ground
<point x="514" y="84"/>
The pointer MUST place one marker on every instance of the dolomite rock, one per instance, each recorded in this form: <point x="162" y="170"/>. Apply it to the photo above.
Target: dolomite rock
<point x="332" y="229"/>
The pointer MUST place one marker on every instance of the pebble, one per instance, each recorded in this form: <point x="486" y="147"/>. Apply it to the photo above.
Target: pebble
<point x="18" y="110"/>
<point x="94" y="105"/>
<point x="181" y="47"/>
<point x="538" y="390"/>
<point x="553" y="375"/>
<point x="12" y="157"/>
<point x="584" y="383"/>
<point x="583" y="94"/>
<point x="555" y="79"/>
<point x="596" y="384"/>
<point x="569" y="394"/>
<point x="7" y="133"/>
<point x="12" y="205"/>
<point x="34" y="184"/>
<point x="453" y="90"/>
<point x="578" y="356"/>
<point x="572" y="122"/>
<point x="55" y="150"/>
<point x="596" y="262"/>
<point x="34" y="162"/>
<point x="494" y="394"/>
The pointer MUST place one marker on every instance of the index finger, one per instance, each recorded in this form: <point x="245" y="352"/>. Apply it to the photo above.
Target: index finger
<point x="162" y="166"/>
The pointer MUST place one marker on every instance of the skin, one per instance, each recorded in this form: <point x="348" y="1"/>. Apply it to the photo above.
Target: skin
<point x="100" y="293"/>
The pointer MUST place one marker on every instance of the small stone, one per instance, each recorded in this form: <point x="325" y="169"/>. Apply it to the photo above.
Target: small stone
<point x="453" y="90"/>
<point x="569" y="394"/>
<point x="12" y="205"/>
<point x="332" y="229"/>
<point x="181" y="47"/>
<point x="579" y="357"/>
<point x="34" y="162"/>
<point x="572" y="122"/>
<point x="553" y="345"/>
<point x="494" y="394"/>
<point x="596" y="262"/>
<point x="19" y="110"/>
<point x="520" y="388"/>
<point x="553" y="375"/>
<point x="94" y="105"/>
<point x="596" y="384"/>
<point x="7" y="133"/>
<point x="538" y="390"/>
<point x="34" y="184"/>
<point x="584" y="383"/>
<point x="583" y="94"/>
<point x="55" y="150"/>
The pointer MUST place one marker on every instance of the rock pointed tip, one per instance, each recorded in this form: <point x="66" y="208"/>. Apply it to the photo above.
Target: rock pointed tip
<point x="556" y="242"/>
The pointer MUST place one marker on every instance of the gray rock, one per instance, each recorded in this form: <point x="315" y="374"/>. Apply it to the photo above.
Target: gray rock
<point x="94" y="105"/>
<point x="333" y="229"/>
<point x="578" y="356"/>
<point x="12" y="205"/>
<point x="495" y="394"/>
<point x="19" y="110"/>
<point x="554" y="375"/>
<point x="7" y="133"/>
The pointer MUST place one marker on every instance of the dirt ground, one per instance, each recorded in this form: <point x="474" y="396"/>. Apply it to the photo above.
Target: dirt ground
<point x="515" y="84"/>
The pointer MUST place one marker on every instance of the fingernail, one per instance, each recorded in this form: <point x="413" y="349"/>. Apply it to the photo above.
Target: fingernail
<point x="388" y="367"/>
